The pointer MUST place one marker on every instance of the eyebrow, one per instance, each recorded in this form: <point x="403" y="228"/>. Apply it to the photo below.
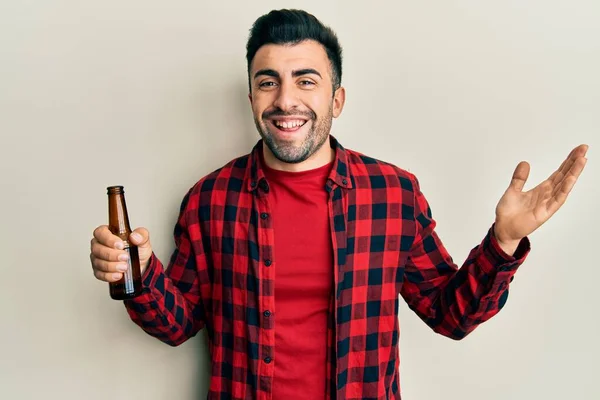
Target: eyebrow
<point x="306" y="71"/>
<point x="295" y="74"/>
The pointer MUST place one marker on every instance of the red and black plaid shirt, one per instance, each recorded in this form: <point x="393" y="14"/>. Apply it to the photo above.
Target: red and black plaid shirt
<point x="221" y="276"/>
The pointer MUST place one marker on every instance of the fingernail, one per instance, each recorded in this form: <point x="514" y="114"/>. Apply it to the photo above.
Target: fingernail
<point x="117" y="276"/>
<point x="123" y="257"/>
<point x="119" y="245"/>
<point x="137" y="237"/>
<point x="122" y="267"/>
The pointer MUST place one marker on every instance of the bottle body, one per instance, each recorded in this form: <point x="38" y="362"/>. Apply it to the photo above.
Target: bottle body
<point x="130" y="284"/>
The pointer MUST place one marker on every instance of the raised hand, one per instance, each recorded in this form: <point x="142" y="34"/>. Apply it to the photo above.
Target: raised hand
<point x="519" y="213"/>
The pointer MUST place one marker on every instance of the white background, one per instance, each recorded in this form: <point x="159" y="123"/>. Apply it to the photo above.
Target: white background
<point x="152" y="95"/>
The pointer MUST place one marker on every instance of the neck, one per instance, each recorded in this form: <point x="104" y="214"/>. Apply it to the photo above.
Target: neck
<point x="324" y="155"/>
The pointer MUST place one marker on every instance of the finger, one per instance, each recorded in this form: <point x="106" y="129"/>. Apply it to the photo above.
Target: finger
<point x="106" y="253"/>
<point x="574" y="171"/>
<point x="582" y="149"/>
<point x="561" y="192"/>
<point x="578" y="167"/>
<point x="557" y="201"/>
<point x="107" y="276"/>
<point x="105" y="237"/>
<point x="520" y="176"/>
<point x="579" y="151"/>
<point x="140" y="237"/>
<point x="559" y="174"/>
<point x="108" y="266"/>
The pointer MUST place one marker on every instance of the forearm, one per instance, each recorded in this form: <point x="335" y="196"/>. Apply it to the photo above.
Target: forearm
<point x="163" y="310"/>
<point x="472" y="294"/>
<point x="454" y="301"/>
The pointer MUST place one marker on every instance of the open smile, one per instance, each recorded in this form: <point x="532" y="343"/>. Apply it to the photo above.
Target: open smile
<point x="288" y="125"/>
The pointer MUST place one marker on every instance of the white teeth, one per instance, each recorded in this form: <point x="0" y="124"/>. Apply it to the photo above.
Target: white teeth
<point x="289" y="124"/>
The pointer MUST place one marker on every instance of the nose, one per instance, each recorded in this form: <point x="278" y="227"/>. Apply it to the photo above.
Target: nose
<point x="287" y="97"/>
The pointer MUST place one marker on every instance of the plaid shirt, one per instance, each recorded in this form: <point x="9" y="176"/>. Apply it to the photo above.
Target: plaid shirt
<point x="221" y="276"/>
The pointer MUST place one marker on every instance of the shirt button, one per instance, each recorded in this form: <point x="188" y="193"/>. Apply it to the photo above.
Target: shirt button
<point x="268" y="263"/>
<point x="345" y="181"/>
<point x="264" y="215"/>
<point x="267" y="313"/>
<point x="268" y="360"/>
<point x="253" y="184"/>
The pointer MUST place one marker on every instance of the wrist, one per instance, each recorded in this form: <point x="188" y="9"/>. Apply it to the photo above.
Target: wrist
<point x="510" y="248"/>
<point x="508" y="245"/>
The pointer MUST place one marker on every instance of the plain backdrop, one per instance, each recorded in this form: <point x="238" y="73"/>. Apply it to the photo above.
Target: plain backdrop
<point x="152" y="95"/>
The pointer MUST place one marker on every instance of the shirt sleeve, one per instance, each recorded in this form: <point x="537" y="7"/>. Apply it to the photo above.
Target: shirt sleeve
<point x="170" y="306"/>
<point x="453" y="301"/>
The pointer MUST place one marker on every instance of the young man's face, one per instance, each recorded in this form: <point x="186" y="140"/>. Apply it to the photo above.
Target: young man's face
<point x="292" y="99"/>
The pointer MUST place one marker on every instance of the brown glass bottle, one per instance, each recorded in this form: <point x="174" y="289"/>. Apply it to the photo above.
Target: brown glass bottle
<point x="130" y="285"/>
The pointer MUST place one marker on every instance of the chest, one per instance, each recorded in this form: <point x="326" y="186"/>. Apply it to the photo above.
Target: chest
<point x="363" y="234"/>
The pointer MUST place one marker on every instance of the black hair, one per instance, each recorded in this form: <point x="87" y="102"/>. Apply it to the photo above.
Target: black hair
<point x="293" y="27"/>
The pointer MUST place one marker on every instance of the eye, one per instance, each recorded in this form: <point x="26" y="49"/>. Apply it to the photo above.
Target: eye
<point x="267" y="84"/>
<point x="306" y="82"/>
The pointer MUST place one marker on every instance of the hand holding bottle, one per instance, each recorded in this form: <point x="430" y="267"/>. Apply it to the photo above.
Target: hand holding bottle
<point x="119" y="255"/>
<point x="109" y="260"/>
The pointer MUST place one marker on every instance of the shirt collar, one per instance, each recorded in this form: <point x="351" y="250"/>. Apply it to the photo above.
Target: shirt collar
<point x="339" y="175"/>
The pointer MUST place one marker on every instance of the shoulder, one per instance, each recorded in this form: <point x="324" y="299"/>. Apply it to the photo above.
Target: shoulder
<point x="229" y="177"/>
<point x="373" y="172"/>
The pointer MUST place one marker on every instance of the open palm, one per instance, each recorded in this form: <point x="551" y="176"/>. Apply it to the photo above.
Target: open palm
<point x="519" y="213"/>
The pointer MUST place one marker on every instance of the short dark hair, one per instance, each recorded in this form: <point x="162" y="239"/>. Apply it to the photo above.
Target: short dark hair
<point x="292" y="27"/>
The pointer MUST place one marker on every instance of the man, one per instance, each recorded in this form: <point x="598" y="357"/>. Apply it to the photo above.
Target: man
<point x="293" y="256"/>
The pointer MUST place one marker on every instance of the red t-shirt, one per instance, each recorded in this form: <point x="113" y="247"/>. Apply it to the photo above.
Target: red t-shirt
<point x="303" y="281"/>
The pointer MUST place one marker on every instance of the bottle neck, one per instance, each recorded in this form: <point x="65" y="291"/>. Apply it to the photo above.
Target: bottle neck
<point x="117" y="215"/>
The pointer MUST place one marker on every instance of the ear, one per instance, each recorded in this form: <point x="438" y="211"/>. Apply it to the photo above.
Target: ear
<point x="339" y="98"/>
<point x="250" y="98"/>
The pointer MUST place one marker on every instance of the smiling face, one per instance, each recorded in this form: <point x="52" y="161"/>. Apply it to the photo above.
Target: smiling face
<point x="293" y="104"/>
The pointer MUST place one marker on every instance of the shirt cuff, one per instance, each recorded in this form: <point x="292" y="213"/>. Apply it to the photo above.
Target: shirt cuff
<point x="149" y="279"/>
<point x="151" y="273"/>
<point x="496" y="259"/>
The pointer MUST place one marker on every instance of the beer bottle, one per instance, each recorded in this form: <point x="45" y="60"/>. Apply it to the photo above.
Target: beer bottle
<point x="130" y="285"/>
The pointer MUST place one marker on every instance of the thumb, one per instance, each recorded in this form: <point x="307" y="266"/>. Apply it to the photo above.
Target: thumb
<point x="520" y="176"/>
<point x="140" y="237"/>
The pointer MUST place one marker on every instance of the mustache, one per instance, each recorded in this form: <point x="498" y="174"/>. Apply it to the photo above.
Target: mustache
<point x="280" y="113"/>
